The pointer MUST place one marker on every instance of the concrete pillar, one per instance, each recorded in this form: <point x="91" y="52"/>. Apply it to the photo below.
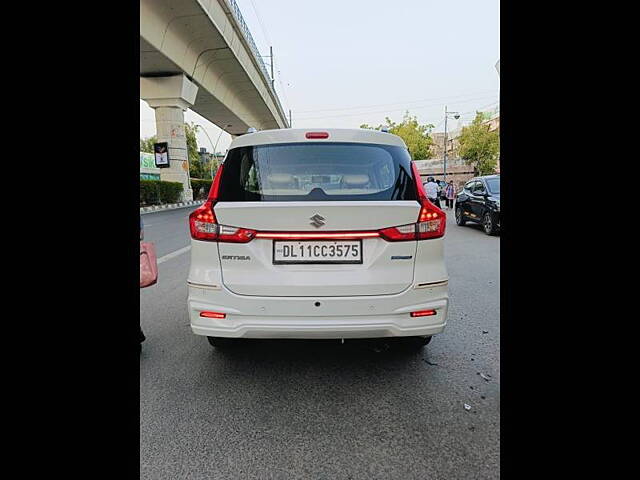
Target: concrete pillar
<point x="170" y="97"/>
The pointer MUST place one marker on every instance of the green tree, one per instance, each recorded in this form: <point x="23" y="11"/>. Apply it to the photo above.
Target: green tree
<point x="196" y="168"/>
<point x="146" y="144"/>
<point x="479" y="147"/>
<point x="416" y="136"/>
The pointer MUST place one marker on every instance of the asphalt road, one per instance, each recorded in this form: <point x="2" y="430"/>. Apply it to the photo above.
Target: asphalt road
<point x="322" y="410"/>
<point x="168" y="230"/>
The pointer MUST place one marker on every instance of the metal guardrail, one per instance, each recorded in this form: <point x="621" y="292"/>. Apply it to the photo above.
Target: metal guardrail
<point x="237" y="14"/>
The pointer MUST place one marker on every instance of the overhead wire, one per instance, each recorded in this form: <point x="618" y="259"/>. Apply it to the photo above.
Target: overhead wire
<point x="267" y="37"/>
<point x="262" y="27"/>
<point x="399" y="103"/>
<point x="389" y="111"/>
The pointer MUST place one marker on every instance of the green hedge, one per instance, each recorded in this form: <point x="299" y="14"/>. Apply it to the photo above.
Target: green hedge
<point x="157" y="192"/>
<point x="200" y="188"/>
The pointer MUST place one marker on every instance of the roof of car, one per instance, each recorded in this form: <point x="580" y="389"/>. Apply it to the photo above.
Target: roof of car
<point x="297" y="135"/>
<point x="484" y="177"/>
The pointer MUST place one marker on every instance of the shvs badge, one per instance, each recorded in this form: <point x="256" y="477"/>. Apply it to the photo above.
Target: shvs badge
<point x="161" y="153"/>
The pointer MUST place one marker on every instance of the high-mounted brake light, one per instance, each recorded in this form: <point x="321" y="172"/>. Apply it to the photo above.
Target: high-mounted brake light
<point x="423" y="313"/>
<point x="317" y="135"/>
<point x="207" y="314"/>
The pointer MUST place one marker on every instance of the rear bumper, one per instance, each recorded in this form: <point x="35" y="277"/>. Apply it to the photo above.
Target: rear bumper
<point x="335" y="317"/>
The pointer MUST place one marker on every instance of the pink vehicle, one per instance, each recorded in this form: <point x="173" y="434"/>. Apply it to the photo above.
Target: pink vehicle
<point x="148" y="268"/>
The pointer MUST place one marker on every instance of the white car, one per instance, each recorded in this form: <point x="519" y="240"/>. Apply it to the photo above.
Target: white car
<point x="317" y="234"/>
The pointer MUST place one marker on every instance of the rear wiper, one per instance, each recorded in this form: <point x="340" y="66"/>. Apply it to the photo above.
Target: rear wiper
<point x="319" y="193"/>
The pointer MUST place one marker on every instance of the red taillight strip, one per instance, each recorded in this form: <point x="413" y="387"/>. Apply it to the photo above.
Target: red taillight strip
<point x="317" y="236"/>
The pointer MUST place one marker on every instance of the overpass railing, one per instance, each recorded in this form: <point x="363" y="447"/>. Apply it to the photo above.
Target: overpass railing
<point x="237" y="14"/>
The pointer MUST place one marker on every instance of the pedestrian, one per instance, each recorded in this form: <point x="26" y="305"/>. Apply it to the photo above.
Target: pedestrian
<point x="450" y="193"/>
<point x="431" y="189"/>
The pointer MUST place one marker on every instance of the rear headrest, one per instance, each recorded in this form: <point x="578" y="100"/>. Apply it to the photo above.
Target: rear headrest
<point x="355" y="179"/>
<point x="282" y="178"/>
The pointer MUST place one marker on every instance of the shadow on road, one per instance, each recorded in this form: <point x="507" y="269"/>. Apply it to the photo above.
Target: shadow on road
<point x="320" y="354"/>
<point x="477" y="227"/>
<point x="295" y="347"/>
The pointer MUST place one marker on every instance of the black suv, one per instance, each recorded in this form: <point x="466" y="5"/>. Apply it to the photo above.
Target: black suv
<point x="479" y="201"/>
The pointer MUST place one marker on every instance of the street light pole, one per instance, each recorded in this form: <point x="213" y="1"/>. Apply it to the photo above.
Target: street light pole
<point x="273" y="86"/>
<point x="212" y="144"/>
<point x="214" y="151"/>
<point x="445" y="144"/>
<point x="456" y="115"/>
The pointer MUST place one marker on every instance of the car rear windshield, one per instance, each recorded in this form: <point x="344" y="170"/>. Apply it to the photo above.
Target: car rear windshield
<point x="317" y="171"/>
<point x="494" y="185"/>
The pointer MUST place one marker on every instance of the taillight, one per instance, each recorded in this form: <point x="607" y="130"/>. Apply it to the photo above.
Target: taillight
<point x="431" y="220"/>
<point x="235" y="234"/>
<point x="204" y="226"/>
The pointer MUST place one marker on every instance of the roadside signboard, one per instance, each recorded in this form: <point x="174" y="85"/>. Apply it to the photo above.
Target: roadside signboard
<point x="146" y="160"/>
<point x="148" y="169"/>
<point x="161" y="152"/>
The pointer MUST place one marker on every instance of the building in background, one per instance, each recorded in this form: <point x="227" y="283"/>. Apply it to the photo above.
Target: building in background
<point x="148" y="170"/>
<point x="493" y="120"/>
<point x="434" y="167"/>
<point x="207" y="157"/>
<point x="492" y="116"/>
<point x="437" y="147"/>
<point x="457" y="170"/>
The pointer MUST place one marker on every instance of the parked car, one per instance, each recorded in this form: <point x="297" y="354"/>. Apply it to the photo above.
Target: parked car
<point x="317" y="234"/>
<point x="479" y="201"/>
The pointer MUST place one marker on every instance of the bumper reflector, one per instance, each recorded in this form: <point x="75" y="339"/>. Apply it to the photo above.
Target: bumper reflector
<point x="212" y="315"/>
<point x="423" y="313"/>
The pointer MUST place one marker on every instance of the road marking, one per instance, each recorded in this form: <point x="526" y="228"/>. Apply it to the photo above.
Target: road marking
<point x="171" y="255"/>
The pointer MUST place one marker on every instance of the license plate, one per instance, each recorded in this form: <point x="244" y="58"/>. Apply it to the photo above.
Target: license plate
<point x="317" y="251"/>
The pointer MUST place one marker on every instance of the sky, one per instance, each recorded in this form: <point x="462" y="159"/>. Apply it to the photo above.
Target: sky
<point x="344" y="63"/>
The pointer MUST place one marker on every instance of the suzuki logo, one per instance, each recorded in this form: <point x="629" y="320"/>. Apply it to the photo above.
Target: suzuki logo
<point x="317" y="220"/>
